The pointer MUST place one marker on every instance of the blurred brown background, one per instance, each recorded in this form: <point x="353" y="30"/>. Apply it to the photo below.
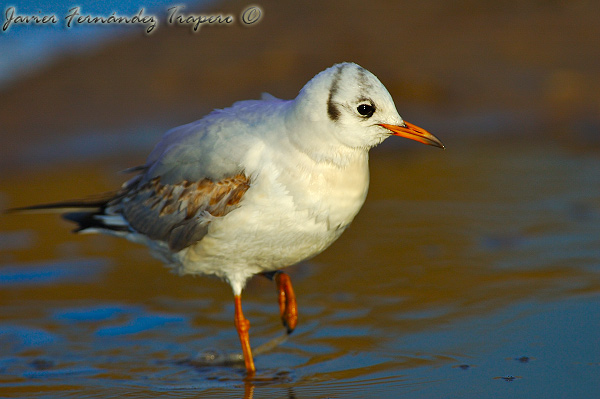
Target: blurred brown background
<point x="480" y="67"/>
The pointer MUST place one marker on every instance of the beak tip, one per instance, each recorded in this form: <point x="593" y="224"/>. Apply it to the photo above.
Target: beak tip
<point x="410" y="131"/>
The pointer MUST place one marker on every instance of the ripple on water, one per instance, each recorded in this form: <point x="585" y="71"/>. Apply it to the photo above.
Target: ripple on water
<point x="51" y="272"/>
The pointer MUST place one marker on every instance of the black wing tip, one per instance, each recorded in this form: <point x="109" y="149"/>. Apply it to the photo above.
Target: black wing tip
<point x="84" y="220"/>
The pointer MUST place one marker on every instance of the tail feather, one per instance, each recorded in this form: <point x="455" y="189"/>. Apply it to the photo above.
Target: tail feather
<point x="61" y="207"/>
<point x="86" y="213"/>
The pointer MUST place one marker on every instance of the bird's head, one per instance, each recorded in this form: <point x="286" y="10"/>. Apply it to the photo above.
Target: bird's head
<point x="349" y="103"/>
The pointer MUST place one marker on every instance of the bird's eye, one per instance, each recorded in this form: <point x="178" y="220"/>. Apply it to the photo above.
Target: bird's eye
<point x="366" y="110"/>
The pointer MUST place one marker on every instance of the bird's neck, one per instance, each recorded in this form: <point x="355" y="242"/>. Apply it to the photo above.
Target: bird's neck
<point x="322" y="147"/>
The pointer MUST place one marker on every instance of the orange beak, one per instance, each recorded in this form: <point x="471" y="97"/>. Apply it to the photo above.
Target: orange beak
<point x="413" y="132"/>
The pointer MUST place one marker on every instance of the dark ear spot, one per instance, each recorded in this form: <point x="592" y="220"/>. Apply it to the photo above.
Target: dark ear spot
<point x="332" y="109"/>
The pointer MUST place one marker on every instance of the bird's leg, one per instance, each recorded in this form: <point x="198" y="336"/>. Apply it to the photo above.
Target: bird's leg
<point x="287" y="299"/>
<point x="243" y="325"/>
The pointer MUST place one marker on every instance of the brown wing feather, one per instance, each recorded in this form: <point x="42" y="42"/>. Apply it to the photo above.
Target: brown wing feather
<point x="175" y="213"/>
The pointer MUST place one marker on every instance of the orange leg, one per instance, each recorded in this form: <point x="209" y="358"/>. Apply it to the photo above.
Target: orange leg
<point x="243" y="325"/>
<point x="287" y="301"/>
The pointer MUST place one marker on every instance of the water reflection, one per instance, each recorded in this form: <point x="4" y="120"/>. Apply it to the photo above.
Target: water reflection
<point x="458" y="265"/>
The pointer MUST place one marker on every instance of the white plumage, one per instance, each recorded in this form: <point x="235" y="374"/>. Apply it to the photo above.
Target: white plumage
<point x="258" y="186"/>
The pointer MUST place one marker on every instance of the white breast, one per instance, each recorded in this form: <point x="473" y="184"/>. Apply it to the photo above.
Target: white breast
<point x="294" y="209"/>
<point x="328" y="192"/>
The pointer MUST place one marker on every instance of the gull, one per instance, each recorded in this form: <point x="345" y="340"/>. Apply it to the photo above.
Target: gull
<point x="255" y="187"/>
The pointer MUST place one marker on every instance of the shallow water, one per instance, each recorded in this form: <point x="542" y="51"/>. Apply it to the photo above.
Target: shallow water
<point x="470" y="272"/>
